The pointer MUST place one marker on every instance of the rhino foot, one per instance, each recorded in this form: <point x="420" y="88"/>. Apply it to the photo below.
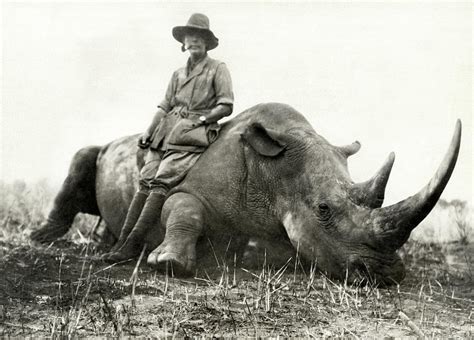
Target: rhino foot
<point x="49" y="232"/>
<point x="183" y="219"/>
<point x="170" y="260"/>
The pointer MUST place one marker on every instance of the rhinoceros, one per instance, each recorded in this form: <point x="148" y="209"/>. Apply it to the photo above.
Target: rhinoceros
<point x="268" y="176"/>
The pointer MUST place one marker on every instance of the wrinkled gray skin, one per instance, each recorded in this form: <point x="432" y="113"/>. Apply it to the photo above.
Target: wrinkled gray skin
<point x="268" y="176"/>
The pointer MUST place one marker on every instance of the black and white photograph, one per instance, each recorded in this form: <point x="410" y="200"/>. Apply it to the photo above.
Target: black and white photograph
<point x="257" y="169"/>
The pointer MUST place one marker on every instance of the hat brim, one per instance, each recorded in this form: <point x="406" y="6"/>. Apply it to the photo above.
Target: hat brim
<point x="179" y="33"/>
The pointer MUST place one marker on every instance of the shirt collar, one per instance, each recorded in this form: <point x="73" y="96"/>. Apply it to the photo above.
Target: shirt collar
<point x="197" y="67"/>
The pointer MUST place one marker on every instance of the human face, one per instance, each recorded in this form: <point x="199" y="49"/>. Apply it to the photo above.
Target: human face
<point x="196" y="45"/>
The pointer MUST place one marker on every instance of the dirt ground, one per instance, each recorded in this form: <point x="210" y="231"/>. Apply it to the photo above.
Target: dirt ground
<point x="60" y="290"/>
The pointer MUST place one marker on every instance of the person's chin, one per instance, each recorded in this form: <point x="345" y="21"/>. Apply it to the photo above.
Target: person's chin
<point x="196" y="52"/>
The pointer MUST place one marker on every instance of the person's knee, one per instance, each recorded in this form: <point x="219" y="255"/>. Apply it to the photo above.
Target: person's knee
<point x="148" y="186"/>
<point x="143" y="188"/>
<point x="160" y="189"/>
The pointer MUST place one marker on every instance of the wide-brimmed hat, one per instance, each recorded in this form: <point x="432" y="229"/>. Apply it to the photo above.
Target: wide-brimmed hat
<point x="197" y="23"/>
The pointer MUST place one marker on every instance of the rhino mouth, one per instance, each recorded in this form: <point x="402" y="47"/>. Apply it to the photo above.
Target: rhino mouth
<point x="363" y="266"/>
<point x="386" y="271"/>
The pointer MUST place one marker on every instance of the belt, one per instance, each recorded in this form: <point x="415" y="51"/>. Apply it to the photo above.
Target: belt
<point x="184" y="112"/>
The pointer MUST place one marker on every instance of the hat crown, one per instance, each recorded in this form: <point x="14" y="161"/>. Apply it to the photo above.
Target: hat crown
<point x="198" y="20"/>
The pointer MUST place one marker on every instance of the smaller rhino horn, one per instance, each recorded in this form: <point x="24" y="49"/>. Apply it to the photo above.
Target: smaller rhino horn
<point x="372" y="192"/>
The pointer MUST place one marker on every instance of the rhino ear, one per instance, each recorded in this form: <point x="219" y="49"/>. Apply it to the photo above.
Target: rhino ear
<point x="266" y="142"/>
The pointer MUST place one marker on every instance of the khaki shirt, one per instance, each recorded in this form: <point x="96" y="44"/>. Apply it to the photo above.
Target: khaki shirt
<point x="190" y="95"/>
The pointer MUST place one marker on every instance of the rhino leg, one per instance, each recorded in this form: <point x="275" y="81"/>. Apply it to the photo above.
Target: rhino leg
<point x="184" y="221"/>
<point x="77" y="194"/>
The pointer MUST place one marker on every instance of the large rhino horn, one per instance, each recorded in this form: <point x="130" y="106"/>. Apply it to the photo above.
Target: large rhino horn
<point x="372" y="192"/>
<point x="392" y="225"/>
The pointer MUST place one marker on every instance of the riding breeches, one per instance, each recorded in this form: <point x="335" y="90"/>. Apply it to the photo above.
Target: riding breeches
<point x="165" y="170"/>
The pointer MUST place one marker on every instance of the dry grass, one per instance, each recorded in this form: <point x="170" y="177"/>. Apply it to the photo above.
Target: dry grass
<point x="60" y="291"/>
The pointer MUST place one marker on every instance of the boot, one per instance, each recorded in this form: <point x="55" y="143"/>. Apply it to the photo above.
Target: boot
<point x="133" y="214"/>
<point x="149" y="218"/>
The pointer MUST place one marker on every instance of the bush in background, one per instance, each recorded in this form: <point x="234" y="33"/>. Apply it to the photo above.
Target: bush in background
<point x="449" y="221"/>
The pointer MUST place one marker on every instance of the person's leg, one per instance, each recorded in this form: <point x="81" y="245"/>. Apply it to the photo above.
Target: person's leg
<point x="133" y="214"/>
<point x="173" y="168"/>
<point x="149" y="218"/>
<point x="147" y="175"/>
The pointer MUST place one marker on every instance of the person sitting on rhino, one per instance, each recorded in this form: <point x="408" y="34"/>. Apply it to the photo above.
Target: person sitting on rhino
<point x="186" y="123"/>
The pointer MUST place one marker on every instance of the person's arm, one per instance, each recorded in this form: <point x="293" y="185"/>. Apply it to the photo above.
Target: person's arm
<point x="220" y="111"/>
<point x="145" y="137"/>
<point x="164" y="107"/>
<point x="224" y="96"/>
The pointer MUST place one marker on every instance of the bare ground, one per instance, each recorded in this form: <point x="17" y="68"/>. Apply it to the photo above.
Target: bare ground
<point x="60" y="290"/>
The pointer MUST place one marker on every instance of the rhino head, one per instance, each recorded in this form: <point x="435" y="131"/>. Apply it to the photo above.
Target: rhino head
<point x="338" y="224"/>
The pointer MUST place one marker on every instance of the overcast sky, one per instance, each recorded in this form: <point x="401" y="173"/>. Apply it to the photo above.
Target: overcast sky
<point x="393" y="76"/>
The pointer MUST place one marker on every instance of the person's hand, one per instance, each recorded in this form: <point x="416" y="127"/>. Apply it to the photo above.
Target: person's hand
<point x="145" y="137"/>
<point x="144" y="140"/>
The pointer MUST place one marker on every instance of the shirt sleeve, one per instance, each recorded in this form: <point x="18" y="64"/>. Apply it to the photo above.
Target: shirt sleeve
<point x="166" y="103"/>
<point x="223" y="86"/>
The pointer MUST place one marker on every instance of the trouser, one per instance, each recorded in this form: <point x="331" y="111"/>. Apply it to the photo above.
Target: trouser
<point x="164" y="170"/>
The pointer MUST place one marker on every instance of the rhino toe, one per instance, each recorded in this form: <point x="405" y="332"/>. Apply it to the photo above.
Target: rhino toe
<point x="172" y="264"/>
